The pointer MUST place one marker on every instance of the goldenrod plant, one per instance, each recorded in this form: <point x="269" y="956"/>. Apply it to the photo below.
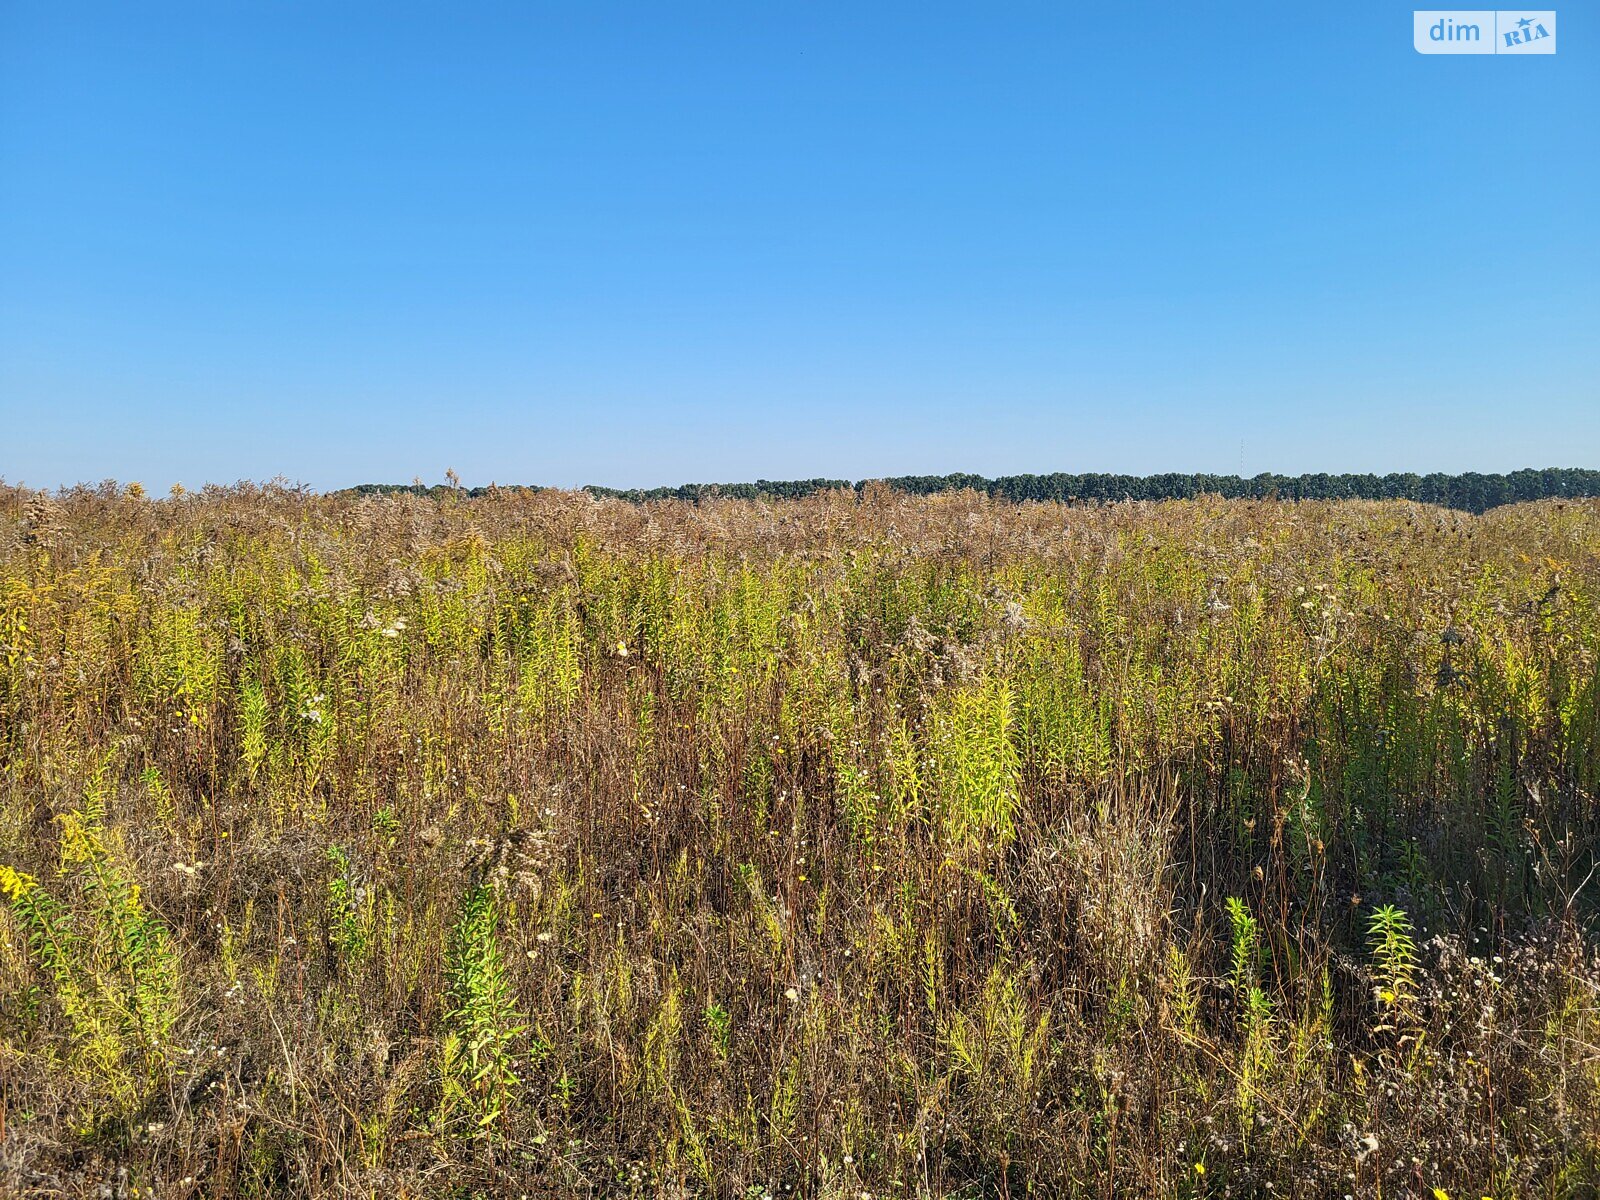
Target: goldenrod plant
<point x="479" y="1079"/>
<point x="111" y="968"/>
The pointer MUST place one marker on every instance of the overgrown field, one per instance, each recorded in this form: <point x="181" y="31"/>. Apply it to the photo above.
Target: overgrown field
<point x="849" y="846"/>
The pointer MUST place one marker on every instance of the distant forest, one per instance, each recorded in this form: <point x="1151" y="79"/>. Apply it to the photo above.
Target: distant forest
<point x="1471" y="491"/>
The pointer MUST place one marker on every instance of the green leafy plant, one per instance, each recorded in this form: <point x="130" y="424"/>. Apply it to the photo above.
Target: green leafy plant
<point x="481" y="1020"/>
<point x="349" y="909"/>
<point x="1246" y="946"/>
<point x="1394" y="957"/>
<point x="110" y="961"/>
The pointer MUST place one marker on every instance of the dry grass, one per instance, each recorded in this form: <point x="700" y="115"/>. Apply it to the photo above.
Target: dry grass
<point x="838" y="847"/>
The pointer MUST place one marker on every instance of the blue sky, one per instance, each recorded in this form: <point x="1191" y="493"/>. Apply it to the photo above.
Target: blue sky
<point x="656" y="243"/>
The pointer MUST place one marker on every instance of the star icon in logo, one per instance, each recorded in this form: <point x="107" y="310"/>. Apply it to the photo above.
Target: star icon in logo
<point x="1525" y="22"/>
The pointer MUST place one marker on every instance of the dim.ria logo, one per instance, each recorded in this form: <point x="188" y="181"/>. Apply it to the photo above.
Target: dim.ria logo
<point x="1484" y="31"/>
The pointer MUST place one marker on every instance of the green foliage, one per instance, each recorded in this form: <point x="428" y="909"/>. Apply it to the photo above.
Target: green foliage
<point x="1002" y="1047"/>
<point x="978" y="765"/>
<point x="719" y="1024"/>
<point x="1472" y="491"/>
<point x="1394" y="957"/>
<point x="349" y="909"/>
<point x="1246" y="943"/>
<point x="479" y="1082"/>
<point x="111" y="964"/>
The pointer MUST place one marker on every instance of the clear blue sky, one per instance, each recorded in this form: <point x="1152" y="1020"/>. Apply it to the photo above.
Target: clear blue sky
<point x="655" y="243"/>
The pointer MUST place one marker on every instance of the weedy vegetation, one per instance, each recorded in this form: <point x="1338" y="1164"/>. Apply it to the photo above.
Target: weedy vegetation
<point x="855" y="845"/>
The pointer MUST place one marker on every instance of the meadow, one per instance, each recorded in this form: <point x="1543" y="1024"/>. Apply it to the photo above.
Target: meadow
<point x="853" y="846"/>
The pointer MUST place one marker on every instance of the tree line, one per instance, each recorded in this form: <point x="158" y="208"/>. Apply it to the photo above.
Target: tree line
<point x="1470" y="491"/>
